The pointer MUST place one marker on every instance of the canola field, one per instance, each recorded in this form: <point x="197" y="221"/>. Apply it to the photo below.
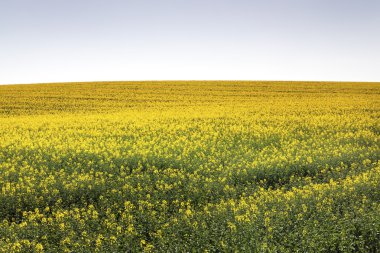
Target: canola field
<point x="190" y="167"/>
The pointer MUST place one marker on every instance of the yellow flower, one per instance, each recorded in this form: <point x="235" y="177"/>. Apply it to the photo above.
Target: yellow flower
<point x="188" y="212"/>
<point x="231" y="226"/>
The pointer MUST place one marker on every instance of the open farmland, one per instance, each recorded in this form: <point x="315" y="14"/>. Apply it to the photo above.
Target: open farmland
<point x="190" y="166"/>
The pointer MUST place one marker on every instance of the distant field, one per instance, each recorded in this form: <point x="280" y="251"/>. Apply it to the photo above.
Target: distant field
<point x="190" y="166"/>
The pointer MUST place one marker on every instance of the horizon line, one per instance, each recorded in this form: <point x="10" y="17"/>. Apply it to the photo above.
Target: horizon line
<point x="188" y="80"/>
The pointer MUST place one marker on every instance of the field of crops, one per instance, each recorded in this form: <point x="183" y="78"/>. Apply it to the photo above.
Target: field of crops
<point x="190" y="167"/>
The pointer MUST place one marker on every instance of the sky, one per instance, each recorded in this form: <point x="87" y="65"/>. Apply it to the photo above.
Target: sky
<point x="111" y="40"/>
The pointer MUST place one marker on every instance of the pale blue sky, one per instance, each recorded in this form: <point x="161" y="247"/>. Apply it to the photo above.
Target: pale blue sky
<point x="93" y="40"/>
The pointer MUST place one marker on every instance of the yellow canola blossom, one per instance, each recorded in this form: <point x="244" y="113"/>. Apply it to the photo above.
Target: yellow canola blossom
<point x="217" y="166"/>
